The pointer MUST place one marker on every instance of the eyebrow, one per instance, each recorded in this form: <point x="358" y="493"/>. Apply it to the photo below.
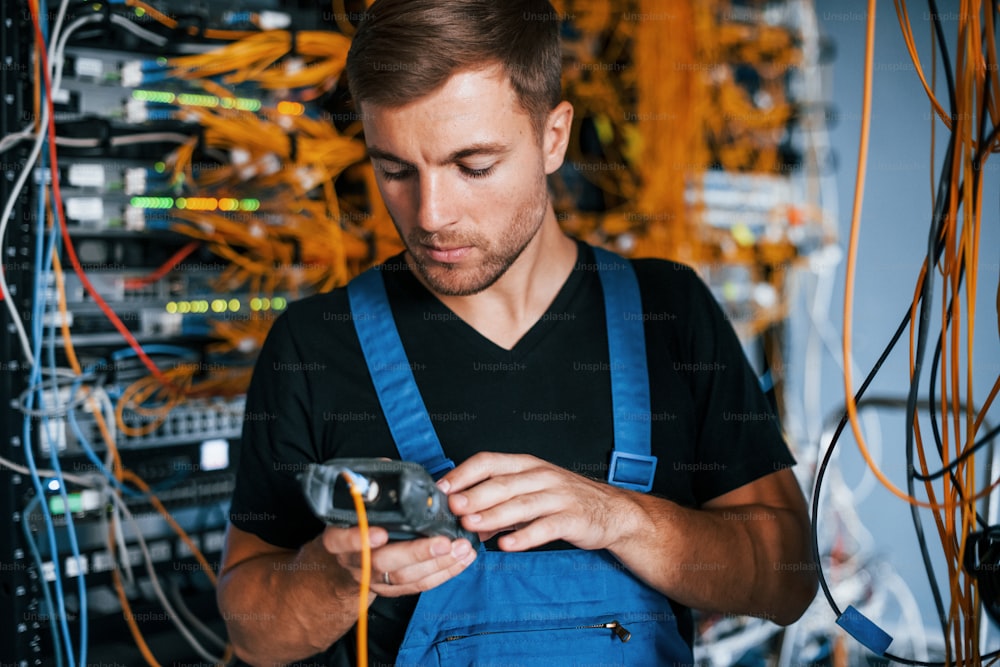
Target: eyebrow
<point x="486" y="148"/>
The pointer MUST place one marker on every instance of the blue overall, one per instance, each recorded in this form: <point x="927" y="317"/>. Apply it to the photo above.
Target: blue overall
<point x="540" y="608"/>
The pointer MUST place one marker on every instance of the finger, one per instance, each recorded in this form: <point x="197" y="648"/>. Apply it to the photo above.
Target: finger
<point x="535" y="534"/>
<point x="338" y="540"/>
<point x="520" y="509"/>
<point x="503" y="488"/>
<point x="427" y="574"/>
<point x="482" y="466"/>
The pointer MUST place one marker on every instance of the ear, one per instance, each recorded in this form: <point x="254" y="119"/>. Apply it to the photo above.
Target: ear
<point x="555" y="136"/>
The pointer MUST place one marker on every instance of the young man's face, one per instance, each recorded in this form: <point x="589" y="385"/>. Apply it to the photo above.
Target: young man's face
<point x="462" y="173"/>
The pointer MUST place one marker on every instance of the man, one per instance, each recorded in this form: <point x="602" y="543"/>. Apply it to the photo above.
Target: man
<point x="506" y="324"/>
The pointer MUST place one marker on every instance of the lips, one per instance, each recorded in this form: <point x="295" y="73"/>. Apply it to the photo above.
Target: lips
<point x="447" y="255"/>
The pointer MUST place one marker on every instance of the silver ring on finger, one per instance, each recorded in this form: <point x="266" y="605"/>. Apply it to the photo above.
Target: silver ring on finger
<point x="385" y="579"/>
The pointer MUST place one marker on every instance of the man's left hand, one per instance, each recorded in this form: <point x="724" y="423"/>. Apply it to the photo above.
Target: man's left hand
<point x="536" y="500"/>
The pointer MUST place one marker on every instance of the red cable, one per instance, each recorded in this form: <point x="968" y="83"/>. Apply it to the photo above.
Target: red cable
<point x="177" y="258"/>
<point x="60" y="215"/>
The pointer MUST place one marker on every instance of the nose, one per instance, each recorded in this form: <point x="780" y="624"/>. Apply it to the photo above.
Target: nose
<point x="436" y="208"/>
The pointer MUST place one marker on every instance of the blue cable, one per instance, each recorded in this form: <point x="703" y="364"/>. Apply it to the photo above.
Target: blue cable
<point x="175" y="350"/>
<point x="84" y="442"/>
<point x="54" y="458"/>
<point x="33" y="548"/>
<point x="34" y="381"/>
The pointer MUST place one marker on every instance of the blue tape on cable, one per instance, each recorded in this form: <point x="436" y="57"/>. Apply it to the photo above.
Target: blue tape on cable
<point x="766" y="381"/>
<point x="864" y="630"/>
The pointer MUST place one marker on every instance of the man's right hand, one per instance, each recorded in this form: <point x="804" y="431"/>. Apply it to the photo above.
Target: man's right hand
<point x="410" y="566"/>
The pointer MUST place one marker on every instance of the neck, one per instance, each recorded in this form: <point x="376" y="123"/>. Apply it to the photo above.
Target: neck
<point x="507" y="309"/>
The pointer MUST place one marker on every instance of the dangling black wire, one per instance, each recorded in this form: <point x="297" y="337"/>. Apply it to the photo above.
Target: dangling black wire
<point x="935" y="246"/>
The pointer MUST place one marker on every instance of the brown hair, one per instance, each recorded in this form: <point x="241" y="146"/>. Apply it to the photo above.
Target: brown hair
<point x="405" y="49"/>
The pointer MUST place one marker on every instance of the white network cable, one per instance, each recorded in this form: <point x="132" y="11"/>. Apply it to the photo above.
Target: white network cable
<point x="29" y="166"/>
<point x="154" y="580"/>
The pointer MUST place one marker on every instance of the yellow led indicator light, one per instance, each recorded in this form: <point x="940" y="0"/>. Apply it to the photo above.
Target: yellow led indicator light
<point x="184" y="307"/>
<point x="743" y="235"/>
<point x="202" y="203"/>
<point x="234" y="305"/>
<point x="228" y="204"/>
<point x="265" y="304"/>
<point x="290" y="108"/>
<point x="172" y="307"/>
<point x="219" y="305"/>
<point x="255" y="304"/>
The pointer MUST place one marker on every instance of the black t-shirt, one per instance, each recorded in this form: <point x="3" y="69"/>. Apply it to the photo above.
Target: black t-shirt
<point x="311" y="399"/>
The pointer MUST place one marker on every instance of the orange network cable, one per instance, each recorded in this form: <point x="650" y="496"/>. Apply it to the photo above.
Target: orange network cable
<point x="274" y="59"/>
<point x="907" y="30"/>
<point x="851" y="264"/>
<point x="366" y="571"/>
<point x="958" y="240"/>
<point x="172" y="24"/>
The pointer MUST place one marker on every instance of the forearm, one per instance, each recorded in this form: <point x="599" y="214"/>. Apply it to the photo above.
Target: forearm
<point x="284" y="607"/>
<point x="749" y="559"/>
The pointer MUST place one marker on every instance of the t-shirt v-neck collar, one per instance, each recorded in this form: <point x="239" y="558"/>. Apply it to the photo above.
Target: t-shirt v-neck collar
<point x="433" y="309"/>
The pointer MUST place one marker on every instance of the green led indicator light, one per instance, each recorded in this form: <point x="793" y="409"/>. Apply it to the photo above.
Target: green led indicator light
<point x="56" y="505"/>
<point x="155" y="96"/>
<point x="152" y="202"/>
<point x="195" y="100"/>
<point x="244" y="104"/>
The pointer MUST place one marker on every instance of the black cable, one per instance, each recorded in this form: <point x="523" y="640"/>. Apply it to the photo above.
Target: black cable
<point x="900" y="404"/>
<point x="932" y="397"/>
<point x="979" y="444"/>
<point x="934" y="249"/>
<point x="945" y="58"/>
<point x="932" y="401"/>
<point x="821" y="472"/>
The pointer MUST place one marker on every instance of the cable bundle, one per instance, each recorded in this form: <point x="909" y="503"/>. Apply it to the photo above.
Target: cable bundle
<point x="274" y="60"/>
<point x="956" y="418"/>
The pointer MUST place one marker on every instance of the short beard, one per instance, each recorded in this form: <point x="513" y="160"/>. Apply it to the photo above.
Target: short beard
<point x="500" y="255"/>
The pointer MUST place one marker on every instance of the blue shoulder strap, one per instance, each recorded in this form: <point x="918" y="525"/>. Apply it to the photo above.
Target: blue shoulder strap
<point x="632" y="466"/>
<point x="389" y="368"/>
